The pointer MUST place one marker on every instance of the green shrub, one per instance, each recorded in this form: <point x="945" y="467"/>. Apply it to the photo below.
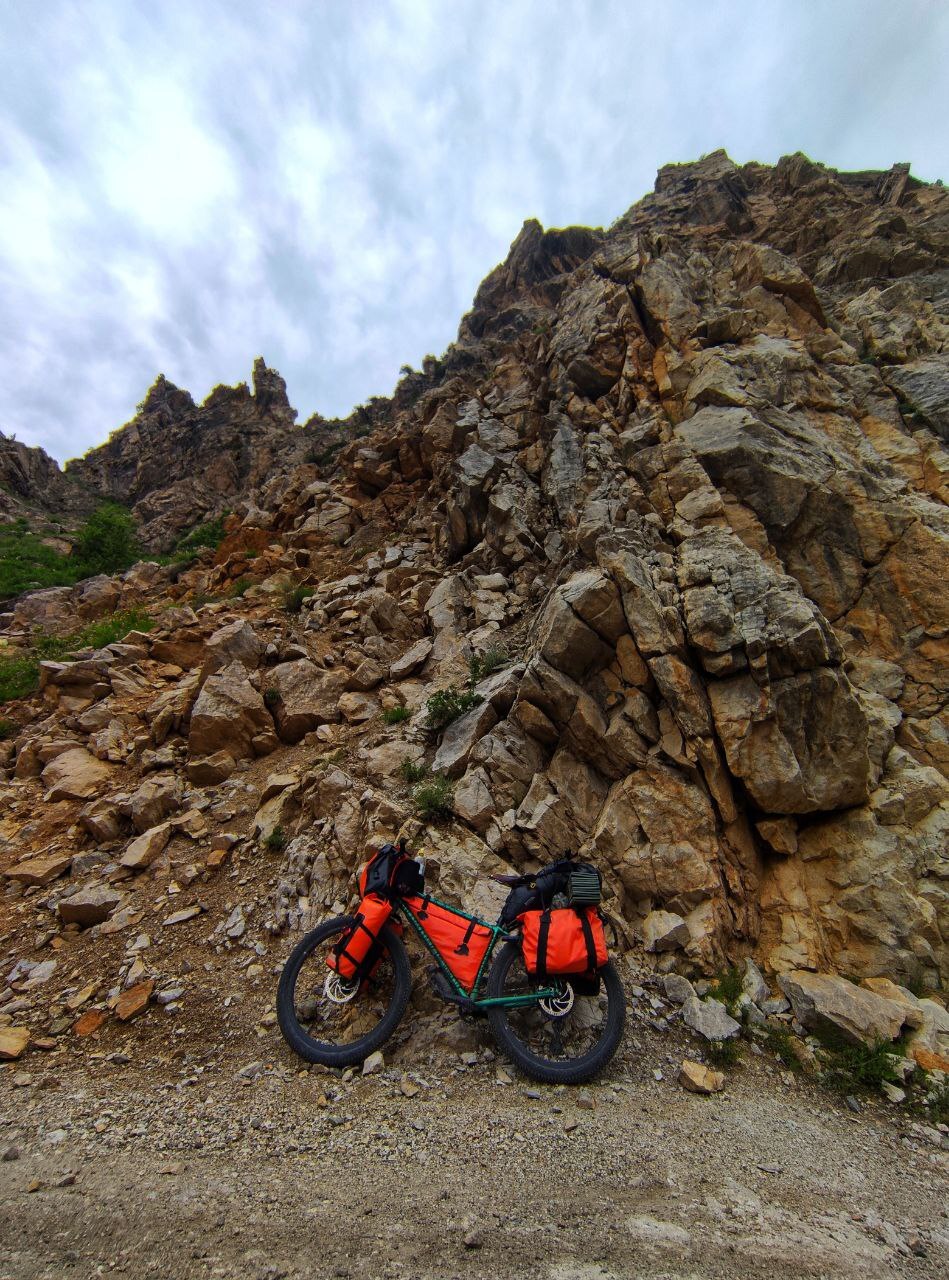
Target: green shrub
<point x="412" y="771"/>
<point x="19" y="673"/>
<point x="724" y="1053"/>
<point x="208" y="534"/>
<point x="851" y="1068"/>
<point x="272" y="696"/>
<point x="8" y="729"/>
<point x="395" y="715"/>
<point x="485" y="664"/>
<point x="276" y="842"/>
<point x="106" y="543"/>
<point x="433" y="799"/>
<point x="19" y="677"/>
<point x="239" y="589"/>
<point x="293" y="598"/>
<point x="779" y="1040"/>
<point x="27" y="563"/>
<point x="935" y="1099"/>
<point x="727" y="988"/>
<point x="448" y="704"/>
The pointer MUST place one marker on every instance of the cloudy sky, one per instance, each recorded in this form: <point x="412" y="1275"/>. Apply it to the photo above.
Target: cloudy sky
<point x="186" y="185"/>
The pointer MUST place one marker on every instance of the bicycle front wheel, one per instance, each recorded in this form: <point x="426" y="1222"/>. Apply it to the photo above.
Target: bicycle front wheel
<point x="337" y="1023"/>
<point x="562" y="1041"/>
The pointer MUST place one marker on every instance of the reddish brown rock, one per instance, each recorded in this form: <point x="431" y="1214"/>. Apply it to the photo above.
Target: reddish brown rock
<point x="134" y="1001"/>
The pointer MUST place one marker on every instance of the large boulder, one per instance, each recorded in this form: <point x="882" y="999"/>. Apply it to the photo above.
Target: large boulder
<point x="234" y="642"/>
<point x="89" y="906"/>
<point x="460" y="738"/>
<point x="230" y="715"/>
<point x="75" y="775"/>
<point x="800" y="745"/>
<point x="304" y="697"/>
<point x="822" y="1002"/>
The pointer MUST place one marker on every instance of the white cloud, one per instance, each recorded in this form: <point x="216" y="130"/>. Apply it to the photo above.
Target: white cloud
<point x="183" y="187"/>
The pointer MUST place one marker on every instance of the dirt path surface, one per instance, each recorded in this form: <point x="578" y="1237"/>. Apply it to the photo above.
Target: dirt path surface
<point x="226" y="1168"/>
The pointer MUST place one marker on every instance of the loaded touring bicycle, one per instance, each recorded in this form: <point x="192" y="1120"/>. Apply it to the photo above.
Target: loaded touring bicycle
<point x="541" y="974"/>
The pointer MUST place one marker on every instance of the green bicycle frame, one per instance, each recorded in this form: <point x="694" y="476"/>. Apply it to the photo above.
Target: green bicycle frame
<point x="497" y="934"/>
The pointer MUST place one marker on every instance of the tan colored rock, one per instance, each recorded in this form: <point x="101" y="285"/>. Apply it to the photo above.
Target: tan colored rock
<point x="13" y="1041"/>
<point x="780" y="834"/>
<point x="228" y="715"/>
<point x="88" y="1023"/>
<point x="697" y="1078"/>
<point x="799" y="749"/>
<point x="664" y="931"/>
<point x="821" y="1000"/>
<point x="75" y="775"/>
<point x="472" y="800"/>
<point x="88" y="906"/>
<point x="366" y="676"/>
<point x="42" y="870"/>
<point x="210" y="770"/>
<point x="236" y="641"/>
<point x="357" y="708"/>
<point x="412" y="660"/>
<point x="306" y="697"/>
<point x="153" y="800"/>
<point x="461" y="737"/>
<point x="144" y="849"/>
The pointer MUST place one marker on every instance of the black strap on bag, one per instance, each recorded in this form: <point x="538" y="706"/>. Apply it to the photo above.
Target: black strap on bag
<point x="588" y="939"/>
<point x="462" y="948"/>
<point x="340" y="950"/>
<point x="542" y="935"/>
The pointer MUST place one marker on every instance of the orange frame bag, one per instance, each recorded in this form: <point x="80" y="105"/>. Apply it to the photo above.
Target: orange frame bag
<point x="563" y="940"/>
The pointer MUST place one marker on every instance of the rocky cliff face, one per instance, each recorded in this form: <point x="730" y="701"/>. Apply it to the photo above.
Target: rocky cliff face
<point x="687" y="474"/>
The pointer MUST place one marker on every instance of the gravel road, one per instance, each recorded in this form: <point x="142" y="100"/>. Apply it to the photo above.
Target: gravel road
<point x="216" y="1166"/>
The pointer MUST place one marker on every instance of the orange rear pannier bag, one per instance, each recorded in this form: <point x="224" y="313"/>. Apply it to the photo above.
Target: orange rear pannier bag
<point x="349" y="955"/>
<point x="461" y="943"/>
<point x="563" y="940"/>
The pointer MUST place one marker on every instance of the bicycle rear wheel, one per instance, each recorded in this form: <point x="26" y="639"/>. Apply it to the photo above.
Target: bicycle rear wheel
<point x="565" y="1041"/>
<point x="337" y="1023"/>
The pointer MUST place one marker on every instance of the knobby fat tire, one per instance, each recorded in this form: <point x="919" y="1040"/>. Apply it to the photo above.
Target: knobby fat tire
<point x="553" y="1072"/>
<point x="349" y="1055"/>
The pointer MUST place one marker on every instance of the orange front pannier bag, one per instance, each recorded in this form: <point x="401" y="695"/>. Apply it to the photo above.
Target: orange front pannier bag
<point x="349" y="955"/>
<point x="461" y="943"/>
<point x="563" y="940"/>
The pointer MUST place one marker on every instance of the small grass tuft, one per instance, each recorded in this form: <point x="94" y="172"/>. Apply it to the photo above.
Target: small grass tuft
<point x="412" y="771"/>
<point x="935" y="1099"/>
<point x="294" y="596"/>
<point x="272" y="696"/>
<point x="8" y="729"/>
<point x="448" y="704"/>
<point x="724" y="1053"/>
<point x="240" y="588"/>
<point x="396" y="715"/>
<point x="276" y="842"/>
<point x="485" y="664"/>
<point x="433" y="799"/>
<point x="19" y="677"/>
<point x="780" y="1041"/>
